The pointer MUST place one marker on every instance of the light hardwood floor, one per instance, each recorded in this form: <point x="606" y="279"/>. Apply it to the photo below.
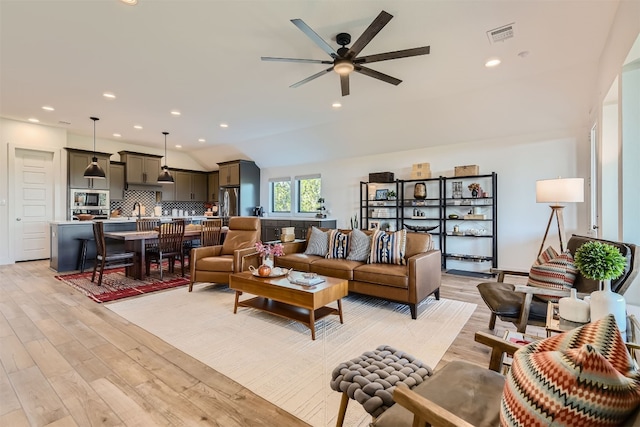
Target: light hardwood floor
<point x="68" y="361"/>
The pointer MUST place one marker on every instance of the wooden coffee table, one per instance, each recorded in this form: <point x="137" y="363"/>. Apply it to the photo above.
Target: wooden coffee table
<point x="304" y="304"/>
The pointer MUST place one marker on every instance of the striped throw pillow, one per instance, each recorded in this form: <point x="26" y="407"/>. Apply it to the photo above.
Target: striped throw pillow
<point x="318" y="242"/>
<point x="360" y="246"/>
<point x="553" y="271"/>
<point x="338" y="244"/>
<point x="388" y="248"/>
<point x="584" y="377"/>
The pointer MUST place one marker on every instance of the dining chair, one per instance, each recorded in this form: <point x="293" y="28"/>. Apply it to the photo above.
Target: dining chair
<point x="148" y="224"/>
<point x="169" y="246"/>
<point x="210" y="234"/>
<point x="105" y="260"/>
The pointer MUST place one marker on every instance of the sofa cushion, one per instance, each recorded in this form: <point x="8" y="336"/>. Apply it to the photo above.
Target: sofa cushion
<point x="418" y="243"/>
<point x="388" y="248"/>
<point x="339" y="244"/>
<point x="318" y="243"/>
<point x="553" y="271"/>
<point x="579" y="378"/>
<point x="297" y="261"/>
<point x="339" y="268"/>
<point x="396" y="276"/>
<point x="360" y="246"/>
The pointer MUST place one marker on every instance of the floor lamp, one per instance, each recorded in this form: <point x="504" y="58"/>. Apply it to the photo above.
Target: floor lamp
<point x="557" y="191"/>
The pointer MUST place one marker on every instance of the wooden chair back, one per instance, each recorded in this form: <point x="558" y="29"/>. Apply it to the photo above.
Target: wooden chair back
<point x="147" y="224"/>
<point x="98" y="235"/>
<point x="211" y="231"/>
<point x="170" y="237"/>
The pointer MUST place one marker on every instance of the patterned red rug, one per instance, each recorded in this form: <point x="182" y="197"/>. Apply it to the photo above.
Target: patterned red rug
<point x="116" y="285"/>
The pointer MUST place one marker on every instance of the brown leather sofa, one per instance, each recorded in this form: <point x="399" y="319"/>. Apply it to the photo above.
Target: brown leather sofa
<point x="214" y="264"/>
<point x="410" y="283"/>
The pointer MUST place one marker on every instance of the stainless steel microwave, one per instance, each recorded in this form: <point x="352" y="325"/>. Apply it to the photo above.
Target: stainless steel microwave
<point x="87" y="199"/>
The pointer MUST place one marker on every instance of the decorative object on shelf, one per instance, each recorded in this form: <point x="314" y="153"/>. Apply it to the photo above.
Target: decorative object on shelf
<point x="165" y="176"/>
<point x="456" y="189"/>
<point x="453" y="216"/>
<point x="391" y="195"/>
<point x="94" y="170"/>
<point x="421" y="171"/>
<point x="374" y="225"/>
<point x="268" y="252"/>
<point x="556" y="191"/>
<point x="603" y="262"/>
<point x="420" y="190"/>
<point x="322" y="211"/>
<point x="387" y="177"/>
<point x="419" y="229"/>
<point x="573" y="309"/>
<point x="475" y="189"/>
<point x="467" y="170"/>
<point x="382" y="194"/>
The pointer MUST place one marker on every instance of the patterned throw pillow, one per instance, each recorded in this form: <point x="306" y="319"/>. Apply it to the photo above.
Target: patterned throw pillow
<point x="360" y="246"/>
<point x="584" y="377"/>
<point x="318" y="242"/>
<point x="388" y="248"/>
<point x="338" y="244"/>
<point x="553" y="271"/>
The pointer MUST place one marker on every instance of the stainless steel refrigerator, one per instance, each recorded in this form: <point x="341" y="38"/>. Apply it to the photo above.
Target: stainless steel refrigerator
<point x="229" y="203"/>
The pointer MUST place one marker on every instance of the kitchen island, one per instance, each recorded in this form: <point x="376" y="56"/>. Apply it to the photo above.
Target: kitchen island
<point x="67" y="238"/>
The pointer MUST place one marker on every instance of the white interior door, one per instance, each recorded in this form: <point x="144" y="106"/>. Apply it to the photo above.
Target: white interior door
<point x="33" y="204"/>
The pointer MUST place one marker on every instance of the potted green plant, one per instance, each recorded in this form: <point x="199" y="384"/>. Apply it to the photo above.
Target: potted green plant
<point x="603" y="262"/>
<point x="391" y="195"/>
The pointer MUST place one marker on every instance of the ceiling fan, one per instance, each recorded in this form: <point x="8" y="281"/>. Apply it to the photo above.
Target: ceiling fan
<point x="345" y="60"/>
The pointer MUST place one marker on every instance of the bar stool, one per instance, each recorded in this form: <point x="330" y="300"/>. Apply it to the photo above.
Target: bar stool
<point x="82" y="256"/>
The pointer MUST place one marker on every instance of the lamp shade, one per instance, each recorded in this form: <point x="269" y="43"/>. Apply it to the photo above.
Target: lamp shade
<point x="165" y="176"/>
<point x="560" y="190"/>
<point x="94" y="170"/>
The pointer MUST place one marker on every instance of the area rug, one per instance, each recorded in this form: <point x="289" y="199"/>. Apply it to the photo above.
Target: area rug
<point x="116" y="285"/>
<point x="276" y="358"/>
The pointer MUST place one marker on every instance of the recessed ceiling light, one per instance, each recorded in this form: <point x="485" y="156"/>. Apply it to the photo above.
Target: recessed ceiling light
<point x="493" y="62"/>
<point x="48" y="108"/>
<point x="33" y="120"/>
<point x="117" y="135"/>
<point x="137" y="127"/>
<point x="178" y="146"/>
<point x="130" y="2"/>
<point x="109" y="95"/>
<point x="175" y="112"/>
<point x="224" y="125"/>
<point x="336" y="105"/>
<point x="202" y="140"/>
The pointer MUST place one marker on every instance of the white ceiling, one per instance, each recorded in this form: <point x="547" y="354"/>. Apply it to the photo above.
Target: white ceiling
<point x="203" y="59"/>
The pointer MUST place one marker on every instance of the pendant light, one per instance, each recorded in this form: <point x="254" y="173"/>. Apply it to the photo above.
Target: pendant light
<point x="94" y="170"/>
<point x="165" y="176"/>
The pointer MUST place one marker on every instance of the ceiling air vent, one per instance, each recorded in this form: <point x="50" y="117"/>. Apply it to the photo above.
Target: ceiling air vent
<point x="501" y="34"/>
<point x="62" y="122"/>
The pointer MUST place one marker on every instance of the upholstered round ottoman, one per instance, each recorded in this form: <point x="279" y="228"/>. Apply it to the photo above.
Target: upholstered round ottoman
<point x="371" y="378"/>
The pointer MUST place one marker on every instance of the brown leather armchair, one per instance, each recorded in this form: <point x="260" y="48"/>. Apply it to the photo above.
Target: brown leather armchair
<point x="214" y="264"/>
<point x="519" y="304"/>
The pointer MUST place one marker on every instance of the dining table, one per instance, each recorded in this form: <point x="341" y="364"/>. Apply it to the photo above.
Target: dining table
<point x="134" y="241"/>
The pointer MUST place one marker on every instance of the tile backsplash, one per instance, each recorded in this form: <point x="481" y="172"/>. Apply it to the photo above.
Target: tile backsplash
<point x="148" y="200"/>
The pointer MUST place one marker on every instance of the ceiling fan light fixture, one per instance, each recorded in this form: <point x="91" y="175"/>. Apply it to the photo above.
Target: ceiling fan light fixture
<point x="343" y="67"/>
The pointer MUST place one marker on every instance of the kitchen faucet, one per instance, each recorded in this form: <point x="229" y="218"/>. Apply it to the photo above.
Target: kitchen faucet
<point x="139" y="209"/>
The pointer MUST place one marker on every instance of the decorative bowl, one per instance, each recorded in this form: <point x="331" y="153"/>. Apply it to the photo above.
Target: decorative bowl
<point x="84" y="217"/>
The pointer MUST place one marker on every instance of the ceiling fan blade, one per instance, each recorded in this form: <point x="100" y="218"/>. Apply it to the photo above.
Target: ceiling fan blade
<point x="315" y="76"/>
<point x="312" y="61"/>
<point x="377" y="75"/>
<point x="374" y="28"/>
<point x="344" y="84"/>
<point x="416" y="51"/>
<point x="315" y="37"/>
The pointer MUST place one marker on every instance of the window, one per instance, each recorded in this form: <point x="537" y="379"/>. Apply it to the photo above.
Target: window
<point x="280" y="195"/>
<point x="308" y="193"/>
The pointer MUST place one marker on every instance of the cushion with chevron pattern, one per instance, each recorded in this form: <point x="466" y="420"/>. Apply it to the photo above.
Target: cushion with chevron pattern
<point x="359" y="246"/>
<point x="553" y="271"/>
<point x="584" y="377"/>
<point x="318" y="242"/>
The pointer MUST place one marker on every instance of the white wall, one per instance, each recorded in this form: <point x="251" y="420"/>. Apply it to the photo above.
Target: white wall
<point x="518" y="161"/>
